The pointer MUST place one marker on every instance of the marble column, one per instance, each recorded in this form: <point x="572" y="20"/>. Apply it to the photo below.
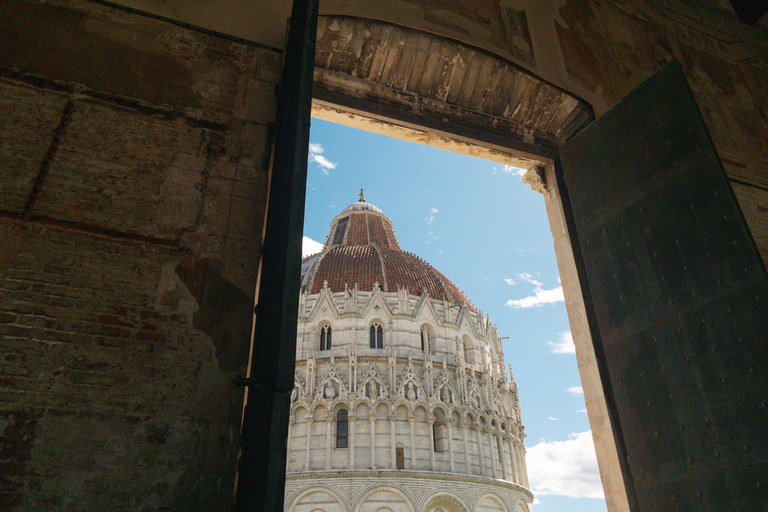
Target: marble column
<point x="525" y="466"/>
<point x="449" y="423"/>
<point x="492" y="449"/>
<point x="372" y="419"/>
<point x="499" y="445"/>
<point x="412" y="422"/>
<point x="431" y="427"/>
<point x="351" y="422"/>
<point x="511" y="448"/>
<point x="520" y="470"/>
<point x="291" y="428"/>
<point x="328" y="435"/>
<point x="478" y="438"/>
<point x="392" y="446"/>
<point x="463" y="426"/>
<point x="309" y="420"/>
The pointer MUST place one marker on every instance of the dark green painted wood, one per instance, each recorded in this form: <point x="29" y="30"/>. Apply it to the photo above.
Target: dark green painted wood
<point x="677" y="297"/>
<point x="261" y="469"/>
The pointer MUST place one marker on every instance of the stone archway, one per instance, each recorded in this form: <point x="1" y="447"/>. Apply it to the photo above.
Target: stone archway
<point x="441" y="88"/>
<point x="424" y="88"/>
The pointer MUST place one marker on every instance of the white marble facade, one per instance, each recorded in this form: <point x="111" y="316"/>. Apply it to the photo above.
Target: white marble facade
<point x="430" y="421"/>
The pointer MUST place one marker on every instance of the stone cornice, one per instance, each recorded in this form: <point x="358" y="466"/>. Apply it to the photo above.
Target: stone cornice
<point x="404" y="474"/>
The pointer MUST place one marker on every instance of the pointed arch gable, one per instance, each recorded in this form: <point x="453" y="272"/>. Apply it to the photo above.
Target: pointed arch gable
<point x="466" y="323"/>
<point x="325" y="300"/>
<point x="371" y="375"/>
<point x="333" y="377"/>
<point x="425" y="307"/>
<point x="376" y="298"/>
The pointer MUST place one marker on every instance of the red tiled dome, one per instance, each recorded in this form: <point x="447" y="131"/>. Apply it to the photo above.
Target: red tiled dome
<point x="361" y="249"/>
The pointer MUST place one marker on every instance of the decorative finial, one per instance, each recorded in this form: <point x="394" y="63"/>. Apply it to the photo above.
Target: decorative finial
<point x="362" y="196"/>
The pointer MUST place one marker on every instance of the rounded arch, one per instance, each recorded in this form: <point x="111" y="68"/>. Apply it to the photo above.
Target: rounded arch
<point x="302" y="493"/>
<point x="314" y="409"/>
<point x="445" y="500"/>
<point x="376" y="333"/>
<point x="324" y="335"/>
<point x="339" y="405"/>
<point x="439" y="411"/>
<point x="492" y="501"/>
<point x="419" y="409"/>
<point x="381" y="409"/>
<point x="469" y="349"/>
<point x="521" y="506"/>
<point x="299" y="411"/>
<point x="362" y="408"/>
<point x="400" y="407"/>
<point x="360" y="497"/>
<point x="428" y="338"/>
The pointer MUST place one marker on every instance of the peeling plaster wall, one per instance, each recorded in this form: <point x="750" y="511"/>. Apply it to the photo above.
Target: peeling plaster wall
<point x="132" y="194"/>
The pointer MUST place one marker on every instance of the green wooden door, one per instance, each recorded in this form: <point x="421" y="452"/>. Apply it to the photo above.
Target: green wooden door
<point x="676" y="296"/>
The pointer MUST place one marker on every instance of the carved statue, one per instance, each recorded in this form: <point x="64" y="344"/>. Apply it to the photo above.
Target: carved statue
<point x="411" y="392"/>
<point x="445" y="395"/>
<point x="473" y="401"/>
<point x="374" y="391"/>
<point x="330" y="392"/>
<point x="294" y="394"/>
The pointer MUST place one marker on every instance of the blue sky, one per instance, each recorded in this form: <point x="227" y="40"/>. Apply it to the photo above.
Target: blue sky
<point x="476" y="222"/>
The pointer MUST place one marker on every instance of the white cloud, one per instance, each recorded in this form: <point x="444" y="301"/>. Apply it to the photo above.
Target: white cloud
<point x="582" y="410"/>
<point x="509" y="281"/>
<point x="552" y="418"/>
<point x="431" y="218"/>
<point x="536" y="501"/>
<point x="565" y="345"/>
<point x="309" y="247"/>
<point x="514" y="170"/>
<point x="565" y="468"/>
<point x="316" y="155"/>
<point x="529" y="278"/>
<point x="575" y="390"/>
<point x="542" y="297"/>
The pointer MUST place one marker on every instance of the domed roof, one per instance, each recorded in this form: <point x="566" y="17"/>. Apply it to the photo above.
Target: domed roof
<point x="362" y="249"/>
<point x="361" y="205"/>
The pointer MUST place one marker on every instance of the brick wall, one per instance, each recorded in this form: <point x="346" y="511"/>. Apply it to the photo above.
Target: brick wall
<point x="132" y="196"/>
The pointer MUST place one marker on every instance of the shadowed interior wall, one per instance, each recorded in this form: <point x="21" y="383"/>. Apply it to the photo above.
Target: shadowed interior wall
<point x="132" y="189"/>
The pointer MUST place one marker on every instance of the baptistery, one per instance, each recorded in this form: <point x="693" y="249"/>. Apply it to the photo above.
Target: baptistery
<point x="402" y="402"/>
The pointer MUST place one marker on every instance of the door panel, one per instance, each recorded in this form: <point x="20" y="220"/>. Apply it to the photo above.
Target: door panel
<point x="676" y="294"/>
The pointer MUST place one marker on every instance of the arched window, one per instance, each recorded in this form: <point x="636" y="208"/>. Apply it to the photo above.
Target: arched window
<point x="342" y="432"/>
<point x="469" y="352"/>
<point x="325" y="337"/>
<point x="377" y="336"/>
<point x="424" y="339"/>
